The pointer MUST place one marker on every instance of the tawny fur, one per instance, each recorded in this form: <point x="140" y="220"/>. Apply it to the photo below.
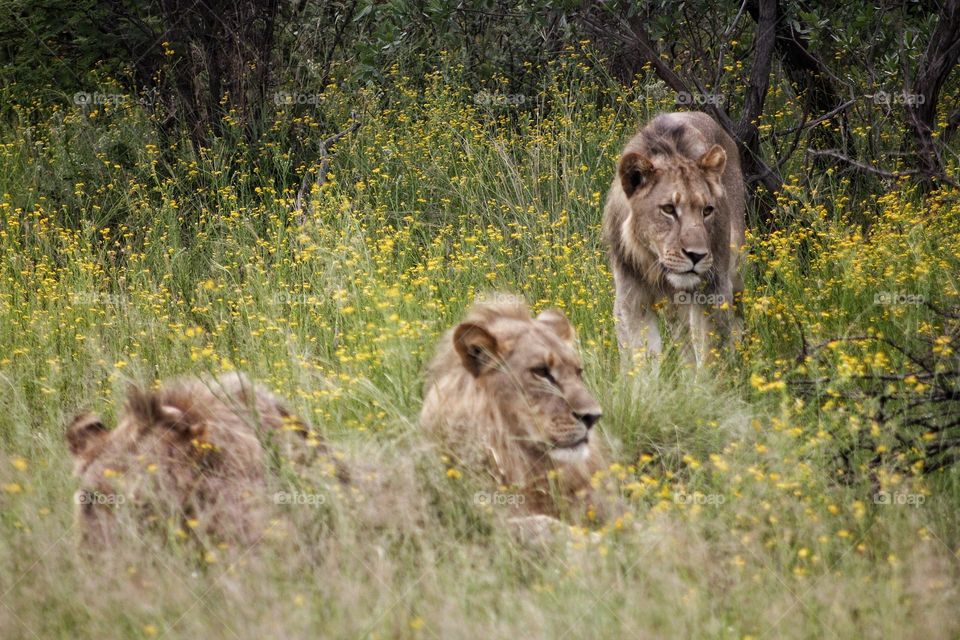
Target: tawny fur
<point x="658" y="216"/>
<point x="188" y="454"/>
<point x="506" y="420"/>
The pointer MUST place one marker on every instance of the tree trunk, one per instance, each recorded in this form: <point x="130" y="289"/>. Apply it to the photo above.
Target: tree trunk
<point x="938" y="60"/>
<point x="224" y="51"/>
<point x="812" y="81"/>
<point x="747" y="133"/>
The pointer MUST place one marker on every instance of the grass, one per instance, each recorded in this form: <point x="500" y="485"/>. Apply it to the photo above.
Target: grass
<point x="128" y="263"/>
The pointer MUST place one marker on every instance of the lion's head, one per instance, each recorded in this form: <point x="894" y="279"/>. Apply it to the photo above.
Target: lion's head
<point x="672" y="180"/>
<point x="187" y="451"/>
<point x="510" y="385"/>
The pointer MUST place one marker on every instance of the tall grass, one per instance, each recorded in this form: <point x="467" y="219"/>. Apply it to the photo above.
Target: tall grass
<point x="125" y="262"/>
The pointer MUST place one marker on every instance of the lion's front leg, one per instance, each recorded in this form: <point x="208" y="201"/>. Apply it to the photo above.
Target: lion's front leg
<point x="636" y="322"/>
<point x="726" y="323"/>
<point x="712" y="325"/>
<point x="699" y="326"/>
<point x="637" y="330"/>
<point x="700" y="321"/>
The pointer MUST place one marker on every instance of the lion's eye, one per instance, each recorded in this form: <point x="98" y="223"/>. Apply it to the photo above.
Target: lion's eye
<point x="668" y="209"/>
<point x="579" y="372"/>
<point x="543" y="372"/>
<point x="708" y="211"/>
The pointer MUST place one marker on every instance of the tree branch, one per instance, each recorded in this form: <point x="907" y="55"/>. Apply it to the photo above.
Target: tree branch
<point x="324" y="168"/>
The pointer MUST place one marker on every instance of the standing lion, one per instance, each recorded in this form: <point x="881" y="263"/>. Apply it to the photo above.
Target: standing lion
<point x="674" y="226"/>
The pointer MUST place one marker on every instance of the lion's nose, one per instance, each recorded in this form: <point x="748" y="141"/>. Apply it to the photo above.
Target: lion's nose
<point x="695" y="256"/>
<point x="588" y="419"/>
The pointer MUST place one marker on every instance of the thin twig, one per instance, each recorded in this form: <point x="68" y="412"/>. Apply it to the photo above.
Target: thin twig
<point x="324" y="168"/>
<point x="812" y="123"/>
<point x="883" y="173"/>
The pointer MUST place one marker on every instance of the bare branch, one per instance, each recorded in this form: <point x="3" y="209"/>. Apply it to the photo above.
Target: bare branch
<point x="866" y="168"/>
<point x="812" y="123"/>
<point x="324" y="168"/>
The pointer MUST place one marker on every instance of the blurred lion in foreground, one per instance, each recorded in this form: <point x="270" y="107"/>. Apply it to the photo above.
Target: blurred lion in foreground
<point x="505" y="394"/>
<point x="188" y="454"/>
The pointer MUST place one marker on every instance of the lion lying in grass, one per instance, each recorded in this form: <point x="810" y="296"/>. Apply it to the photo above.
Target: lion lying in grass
<point x="505" y="394"/>
<point x="187" y="454"/>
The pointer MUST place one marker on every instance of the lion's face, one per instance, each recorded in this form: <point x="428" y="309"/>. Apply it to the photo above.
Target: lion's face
<point x="674" y="211"/>
<point x="535" y="375"/>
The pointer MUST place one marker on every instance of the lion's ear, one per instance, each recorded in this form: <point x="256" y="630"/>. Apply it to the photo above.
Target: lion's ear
<point x="149" y="411"/>
<point x="85" y="431"/>
<point x="558" y="323"/>
<point x="635" y="171"/>
<point x="476" y="347"/>
<point x="714" y="160"/>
